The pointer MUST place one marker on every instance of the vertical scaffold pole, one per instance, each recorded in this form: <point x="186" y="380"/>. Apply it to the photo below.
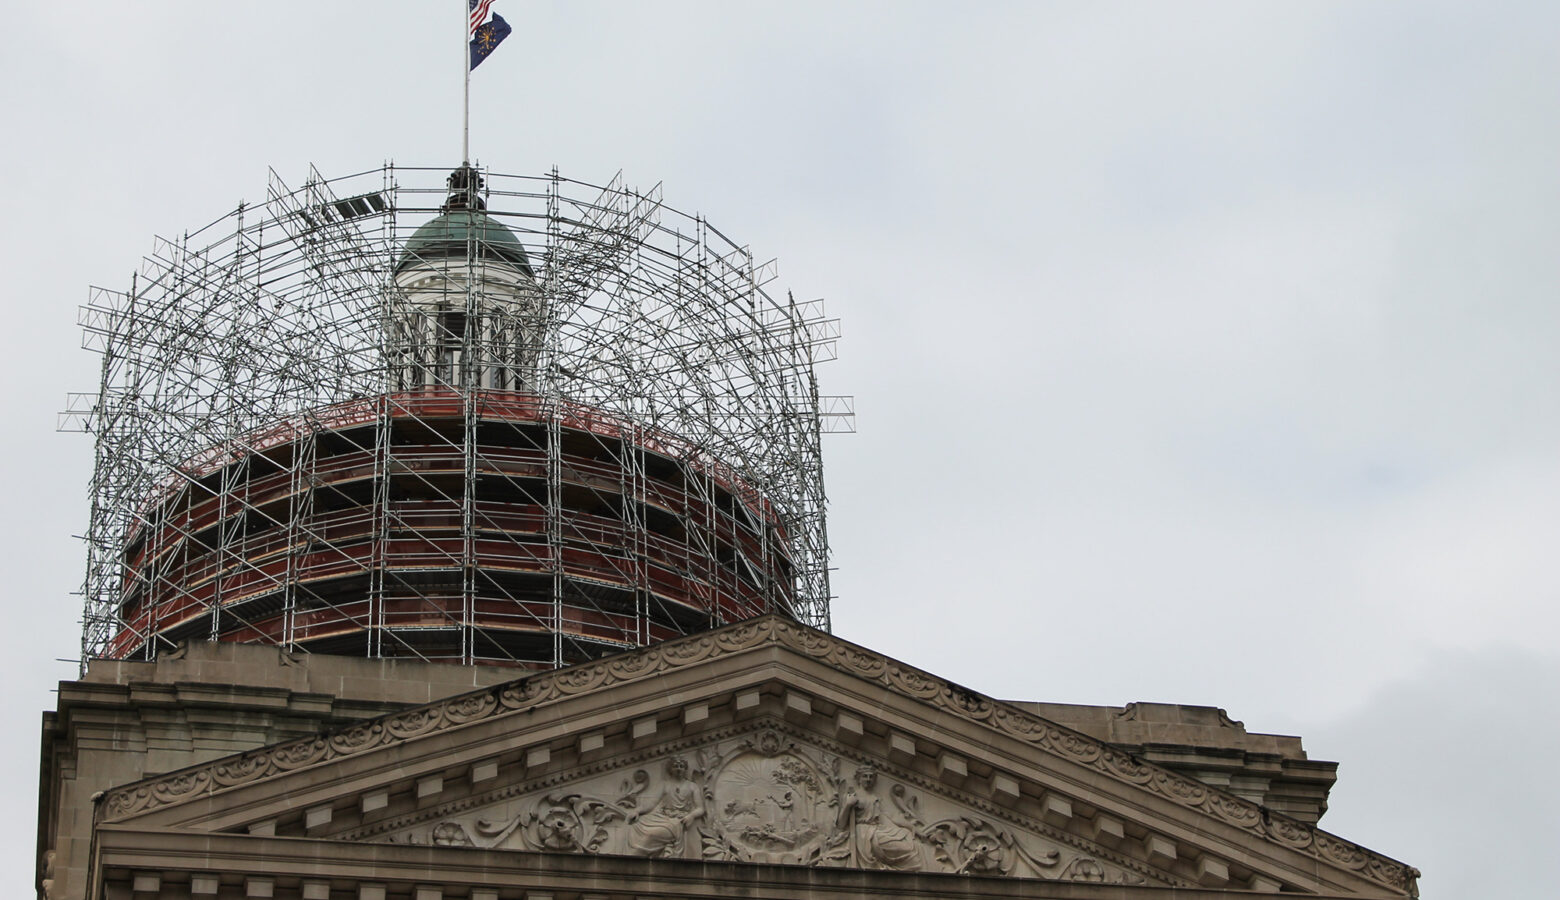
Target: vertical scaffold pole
<point x="465" y="64"/>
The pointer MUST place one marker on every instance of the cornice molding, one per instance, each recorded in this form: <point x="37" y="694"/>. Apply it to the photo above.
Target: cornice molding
<point x="463" y="871"/>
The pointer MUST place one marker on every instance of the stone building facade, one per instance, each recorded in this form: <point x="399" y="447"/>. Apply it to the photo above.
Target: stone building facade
<point x="764" y="759"/>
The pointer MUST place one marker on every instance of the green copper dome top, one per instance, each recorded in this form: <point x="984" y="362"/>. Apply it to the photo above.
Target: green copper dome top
<point x="448" y="237"/>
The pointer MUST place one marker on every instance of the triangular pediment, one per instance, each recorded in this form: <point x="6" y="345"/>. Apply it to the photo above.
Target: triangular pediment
<point x="767" y="743"/>
<point x="764" y="791"/>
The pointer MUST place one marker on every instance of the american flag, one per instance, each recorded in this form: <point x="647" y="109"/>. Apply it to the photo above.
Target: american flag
<point x="479" y="13"/>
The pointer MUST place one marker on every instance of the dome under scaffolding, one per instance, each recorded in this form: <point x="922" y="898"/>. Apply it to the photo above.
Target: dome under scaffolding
<point x="527" y="422"/>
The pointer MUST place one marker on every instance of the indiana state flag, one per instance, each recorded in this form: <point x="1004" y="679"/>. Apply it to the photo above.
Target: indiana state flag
<point x="486" y="34"/>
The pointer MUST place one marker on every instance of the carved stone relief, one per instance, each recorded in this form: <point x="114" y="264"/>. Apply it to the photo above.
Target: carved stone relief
<point x="663" y="828"/>
<point x="767" y="799"/>
<point x="772" y="804"/>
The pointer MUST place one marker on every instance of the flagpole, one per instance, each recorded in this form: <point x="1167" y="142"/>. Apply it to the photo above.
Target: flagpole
<point x="465" y="61"/>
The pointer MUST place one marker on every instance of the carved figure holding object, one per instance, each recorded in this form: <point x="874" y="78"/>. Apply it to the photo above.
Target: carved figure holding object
<point x="876" y="840"/>
<point x="659" y="830"/>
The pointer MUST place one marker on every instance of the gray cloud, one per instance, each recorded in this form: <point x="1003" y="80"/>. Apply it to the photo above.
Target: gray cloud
<point x="1460" y="738"/>
<point x="1204" y="352"/>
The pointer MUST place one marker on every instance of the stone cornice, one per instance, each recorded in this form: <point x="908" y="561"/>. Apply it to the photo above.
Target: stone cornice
<point x="533" y="690"/>
<point x="462" y="871"/>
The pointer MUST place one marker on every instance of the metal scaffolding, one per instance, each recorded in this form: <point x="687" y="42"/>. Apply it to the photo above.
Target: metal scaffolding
<point x="297" y="445"/>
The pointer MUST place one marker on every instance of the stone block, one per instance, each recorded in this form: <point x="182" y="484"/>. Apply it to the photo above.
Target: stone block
<point x="901" y="747"/>
<point x="317" y="816"/>
<point x="848" y="728"/>
<point x="431" y="786"/>
<point x="1160" y="850"/>
<point x="1056" y="809"/>
<point x="1264" y="885"/>
<point x="952" y="768"/>
<point x="749" y="700"/>
<point x="371" y="892"/>
<point x="798" y="706"/>
<point x="643" y="728"/>
<point x="146" y="883"/>
<point x="263" y="829"/>
<point x="429" y="893"/>
<point x="1004" y="789"/>
<point x="592" y="743"/>
<point x="316" y="890"/>
<point x="695" y="714"/>
<point x="537" y="757"/>
<point x="488" y="894"/>
<point x="259" y="888"/>
<point x="203" y="885"/>
<point x="487" y="770"/>
<point x="1212" y="872"/>
<point x="1107" y="830"/>
<point x="375" y="800"/>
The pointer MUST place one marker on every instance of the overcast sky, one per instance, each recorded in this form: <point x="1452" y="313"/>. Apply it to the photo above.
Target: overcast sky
<point x="1203" y="352"/>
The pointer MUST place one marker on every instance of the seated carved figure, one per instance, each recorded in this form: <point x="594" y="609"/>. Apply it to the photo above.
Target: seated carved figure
<point x="876" y="840"/>
<point x="659" y="830"/>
